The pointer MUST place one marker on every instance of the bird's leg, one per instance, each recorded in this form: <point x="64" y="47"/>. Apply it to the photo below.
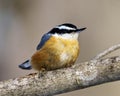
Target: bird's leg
<point x="41" y="73"/>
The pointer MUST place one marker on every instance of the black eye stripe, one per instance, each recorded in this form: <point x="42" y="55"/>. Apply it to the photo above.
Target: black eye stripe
<point x="60" y="31"/>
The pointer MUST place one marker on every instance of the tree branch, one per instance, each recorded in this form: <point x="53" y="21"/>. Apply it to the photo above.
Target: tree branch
<point x="107" y="51"/>
<point x="86" y="74"/>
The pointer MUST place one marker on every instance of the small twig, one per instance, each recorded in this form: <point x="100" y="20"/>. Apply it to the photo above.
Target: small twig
<point x="106" y="52"/>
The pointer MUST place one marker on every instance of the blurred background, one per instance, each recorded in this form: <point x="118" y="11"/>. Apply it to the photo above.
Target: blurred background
<point x="23" y="22"/>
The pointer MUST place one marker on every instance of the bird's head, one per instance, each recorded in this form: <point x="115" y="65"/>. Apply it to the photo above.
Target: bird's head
<point x="67" y="31"/>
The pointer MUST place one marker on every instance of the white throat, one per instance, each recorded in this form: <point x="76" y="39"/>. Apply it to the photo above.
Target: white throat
<point x="67" y="35"/>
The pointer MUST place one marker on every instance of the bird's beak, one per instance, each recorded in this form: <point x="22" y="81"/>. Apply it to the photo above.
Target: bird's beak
<point x="79" y="30"/>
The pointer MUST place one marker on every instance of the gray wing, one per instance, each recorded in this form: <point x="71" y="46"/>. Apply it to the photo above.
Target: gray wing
<point x="45" y="37"/>
<point x="26" y="65"/>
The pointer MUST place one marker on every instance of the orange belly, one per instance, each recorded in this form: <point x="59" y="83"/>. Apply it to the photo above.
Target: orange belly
<point x="55" y="54"/>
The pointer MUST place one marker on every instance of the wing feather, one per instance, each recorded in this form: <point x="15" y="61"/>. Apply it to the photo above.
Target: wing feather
<point x="45" y="37"/>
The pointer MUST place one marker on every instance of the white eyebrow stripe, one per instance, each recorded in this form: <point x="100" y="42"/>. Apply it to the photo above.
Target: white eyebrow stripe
<point x="65" y="27"/>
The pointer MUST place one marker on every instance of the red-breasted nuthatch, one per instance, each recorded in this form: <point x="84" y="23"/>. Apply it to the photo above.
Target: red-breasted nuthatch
<point x="59" y="48"/>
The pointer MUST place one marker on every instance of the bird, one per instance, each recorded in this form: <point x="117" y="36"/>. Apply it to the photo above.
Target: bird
<point x="58" y="48"/>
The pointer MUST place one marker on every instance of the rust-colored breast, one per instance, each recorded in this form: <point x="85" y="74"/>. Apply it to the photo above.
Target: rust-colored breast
<point x="56" y="53"/>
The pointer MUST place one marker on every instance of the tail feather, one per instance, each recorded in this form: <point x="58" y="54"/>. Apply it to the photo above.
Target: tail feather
<point x="26" y="65"/>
